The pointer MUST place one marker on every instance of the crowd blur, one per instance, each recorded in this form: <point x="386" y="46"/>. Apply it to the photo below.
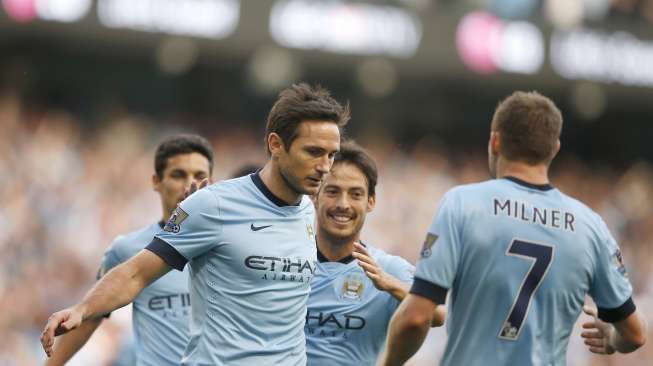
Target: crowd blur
<point x="66" y="190"/>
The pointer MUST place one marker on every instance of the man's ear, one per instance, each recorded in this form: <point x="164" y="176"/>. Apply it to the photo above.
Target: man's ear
<point x="275" y="144"/>
<point x="495" y="142"/>
<point x="156" y="182"/>
<point x="371" y="202"/>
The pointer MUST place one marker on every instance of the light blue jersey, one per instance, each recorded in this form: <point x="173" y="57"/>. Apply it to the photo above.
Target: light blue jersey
<point x="347" y="316"/>
<point x="251" y="260"/>
<point x="161" y="312"/>
<point x="518" y="260"/>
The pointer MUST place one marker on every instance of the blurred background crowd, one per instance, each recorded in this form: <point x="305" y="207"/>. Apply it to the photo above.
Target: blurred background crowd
<point x="84" y="100"/>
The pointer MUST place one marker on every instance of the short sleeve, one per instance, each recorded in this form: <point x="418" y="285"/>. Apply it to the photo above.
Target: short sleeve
<point x="191" y="231"/>
<point x="110" y="259"/>
<point x="440" y="255"/>
<point x="400" y="269"/>
<point x="610" y="290"/>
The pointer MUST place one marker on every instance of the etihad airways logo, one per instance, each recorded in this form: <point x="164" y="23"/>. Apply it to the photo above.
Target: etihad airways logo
<point x="282" y="268"/>
<point x="332" y="325"/>
<point x="170" y="306"/>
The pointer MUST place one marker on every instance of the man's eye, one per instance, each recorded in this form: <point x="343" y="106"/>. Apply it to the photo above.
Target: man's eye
<point x="315" y="152"/>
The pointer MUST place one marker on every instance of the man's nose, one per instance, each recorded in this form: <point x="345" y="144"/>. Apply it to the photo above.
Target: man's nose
<point x="324" y="165"/>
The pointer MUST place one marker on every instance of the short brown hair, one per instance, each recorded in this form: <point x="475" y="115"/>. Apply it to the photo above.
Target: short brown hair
<point x="181" y="144"/>
<point x="529" y="125"/>
<point x="301" y="102"/>
<point x="351" y="153"/>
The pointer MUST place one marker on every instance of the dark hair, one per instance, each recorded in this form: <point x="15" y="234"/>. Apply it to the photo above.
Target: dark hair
<point x="181" y="144"/>
<point x="301" y="102"/>
<point x="529" y="125"/>
<point x="352" y="153"/>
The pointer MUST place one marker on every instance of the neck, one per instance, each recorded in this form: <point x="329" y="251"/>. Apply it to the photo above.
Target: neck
<point x="167" y="212"/>
<point x="535" y="174"/>
<point x="271" y="177"/>
<point x="335" y="249"/>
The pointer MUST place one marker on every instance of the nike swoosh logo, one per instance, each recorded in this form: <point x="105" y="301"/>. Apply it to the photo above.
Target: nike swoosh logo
<point x="257" y="228"/>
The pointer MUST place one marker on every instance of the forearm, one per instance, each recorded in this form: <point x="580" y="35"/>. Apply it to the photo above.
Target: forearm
<point x="396" y="288"/>
<point x="403" y="341"/>
<point x="116" y="289"/>
<point x="68" y="344"/>
<point x="628" y="339"/>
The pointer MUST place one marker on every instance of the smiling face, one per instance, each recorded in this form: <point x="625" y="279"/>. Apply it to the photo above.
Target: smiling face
<point x="307" y="161"/>
<point x="180" y="171"/>
<point x="343" y="203"/>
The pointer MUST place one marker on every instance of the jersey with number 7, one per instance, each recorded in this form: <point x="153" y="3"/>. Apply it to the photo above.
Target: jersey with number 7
<point x="518" y="260"/>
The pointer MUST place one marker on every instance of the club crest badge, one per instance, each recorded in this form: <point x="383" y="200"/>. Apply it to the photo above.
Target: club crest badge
<point x="174" y="223"/>
<point x="310" y="232"/>
<point x="352" y="287"/>
<point x="428" y="244"/>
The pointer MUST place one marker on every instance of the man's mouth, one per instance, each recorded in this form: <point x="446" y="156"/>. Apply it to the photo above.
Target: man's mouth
<point x="340" y="218"/>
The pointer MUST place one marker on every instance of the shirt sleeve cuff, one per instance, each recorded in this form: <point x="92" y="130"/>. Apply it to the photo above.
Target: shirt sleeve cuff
<point x="617" y="314"/>
<point x="429" y="290"/>
<point x="168" y="253"/>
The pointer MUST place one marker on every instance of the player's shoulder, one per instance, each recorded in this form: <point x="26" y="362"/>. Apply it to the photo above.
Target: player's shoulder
<point x="468" y="194"/>
<point x="471" y="189"/>
<point x="585" y="214"/>
<point x="388" y="262"/>
<point x="234" y="189"/>
<point x="126" y="245"/>
<point x="212" y="196"/>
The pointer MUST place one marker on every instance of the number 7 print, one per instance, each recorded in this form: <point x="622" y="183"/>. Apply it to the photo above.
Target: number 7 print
<point x="541" y="256"/>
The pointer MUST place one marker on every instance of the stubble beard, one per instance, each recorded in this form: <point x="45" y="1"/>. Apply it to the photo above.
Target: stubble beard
<point x="290" y="183"/>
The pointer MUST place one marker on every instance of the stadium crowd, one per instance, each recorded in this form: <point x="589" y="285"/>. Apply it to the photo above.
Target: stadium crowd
<point x="67" y="189"/>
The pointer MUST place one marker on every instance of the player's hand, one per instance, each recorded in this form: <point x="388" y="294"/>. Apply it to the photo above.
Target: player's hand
<point x="194" y="187"/>
<point x="59" y="323"/>
<point x="373" y="271"/>
<point x="597" y="333"/>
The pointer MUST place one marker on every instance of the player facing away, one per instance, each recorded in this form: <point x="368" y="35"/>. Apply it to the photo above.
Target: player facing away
<point x="517" y="257"/>
<point x="161" y="312"/>
<point x="249" y="243"/>
<point x="356" y="287"/>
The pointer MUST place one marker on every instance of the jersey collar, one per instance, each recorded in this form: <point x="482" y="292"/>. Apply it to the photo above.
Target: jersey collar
<point x="541" y="187"/>
<point x="346" y="260"/>
<point x="258" y="182"/>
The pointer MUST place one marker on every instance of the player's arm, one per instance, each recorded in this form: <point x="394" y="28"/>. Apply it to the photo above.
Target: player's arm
<point x="408" y="329"/>
<point x="384" y="281"/>
<point x="434" y="276"/>
<point x="617" y="325"/>
<point x="117" y="288"/>
<point x="70" y="343"/>
<point x="623" y="336"/>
